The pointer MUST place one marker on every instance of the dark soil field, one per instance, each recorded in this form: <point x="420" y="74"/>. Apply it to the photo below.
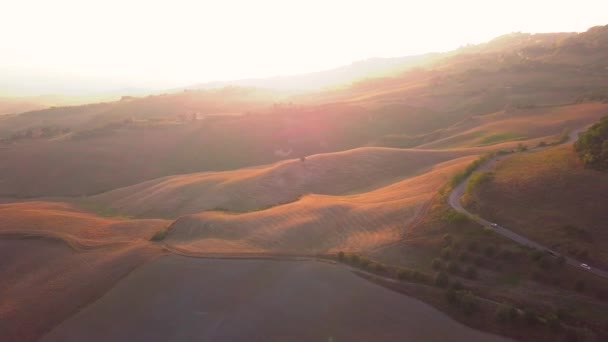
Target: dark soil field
<point x="186" y="299"/>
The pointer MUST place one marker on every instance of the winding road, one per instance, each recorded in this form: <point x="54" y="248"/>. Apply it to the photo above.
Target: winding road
<point x="458" y="191"/>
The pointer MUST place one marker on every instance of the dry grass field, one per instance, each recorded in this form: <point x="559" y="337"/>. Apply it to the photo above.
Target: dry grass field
<point x="529" y="126"/>
<point x="549" y="197"/>
<point x="250" y="189"/>
<point x="315" y="223"/>
<point x="65" y="222"/>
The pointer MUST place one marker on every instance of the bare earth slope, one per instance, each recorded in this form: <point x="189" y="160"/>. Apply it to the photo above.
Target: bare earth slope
<point x="258" y="188"/>
<point x="256" y="300"/>
<point x="43" y="282"/>
<point x="315" y="223"/>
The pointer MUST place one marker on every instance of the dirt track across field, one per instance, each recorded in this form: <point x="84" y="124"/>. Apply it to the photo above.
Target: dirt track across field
<point x="185" y="299"/>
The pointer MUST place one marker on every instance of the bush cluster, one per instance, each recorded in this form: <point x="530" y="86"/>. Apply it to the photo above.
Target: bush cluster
<point x="592" y="146"/>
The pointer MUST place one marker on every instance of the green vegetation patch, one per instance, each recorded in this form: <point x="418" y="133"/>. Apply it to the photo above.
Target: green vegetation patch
<point x="592" y="146"/>
<point x="476" y="179"/>
<point x="160" y="235"/>
<point x="511" y="279"/>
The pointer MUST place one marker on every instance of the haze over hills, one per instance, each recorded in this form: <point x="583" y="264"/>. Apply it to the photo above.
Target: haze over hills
<point x="352" y="166"/>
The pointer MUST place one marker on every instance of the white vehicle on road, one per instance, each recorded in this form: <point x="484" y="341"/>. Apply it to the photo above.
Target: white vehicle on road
<point x="494" y="225"/>
<point x="585" y="266"/>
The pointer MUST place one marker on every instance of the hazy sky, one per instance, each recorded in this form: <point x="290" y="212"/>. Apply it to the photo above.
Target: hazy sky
<point x="121" y="43"/>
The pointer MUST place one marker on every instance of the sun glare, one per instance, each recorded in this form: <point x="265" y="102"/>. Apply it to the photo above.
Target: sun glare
<point x="164" y="44"/>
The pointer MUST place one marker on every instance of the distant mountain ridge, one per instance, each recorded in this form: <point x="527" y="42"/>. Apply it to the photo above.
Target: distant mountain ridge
<point x="368" y="68"/>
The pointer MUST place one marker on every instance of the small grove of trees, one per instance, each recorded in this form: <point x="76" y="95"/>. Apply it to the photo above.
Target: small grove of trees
<point x="462" y="175"/>
<point x="376" y="267"/>
<point x="592" y="146"/>
<point x="506" y="313"/>
<point x="463" y="300"/>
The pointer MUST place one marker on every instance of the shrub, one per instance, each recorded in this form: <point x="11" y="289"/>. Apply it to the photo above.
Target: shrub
<point x="453" y="267"/>
<point x="404" y="274"/>
<point x="468" y="303"/>
<point x="454" y="217"/>
<point x="341" y="256"/>
<point x="561" y="260"/>
<point x="536" y="255"/>
<point x="479" y="261"/>
<point x="436" y="264"/>
<point x="364" y="262"/>
<point x="451" y="295"/>
<point x="442" y="279"/>
<point x="447" y="239"/>
<point x="379" y="268"/>
<point x="506" y="313"/>
<point x="472" y="246"/>
<point x="530" y="317"/>
<point x="522" y="147"/>
<point x="471" y="272"/>
<point x="489" y="251"/>
<point x="477" y="179"/>
<point x="592" y="145"/>
<point x="553" y="322"/>
<point x="545" y="263"/>
<point x="463" y="256"/>
<point x="542" y="144"/>
<point x="446" y="253"/>
<point x="505" y="254"/>
<point x="160" y="235"/>
<point x="354" y="259"/>
<point x="456" y="285"/>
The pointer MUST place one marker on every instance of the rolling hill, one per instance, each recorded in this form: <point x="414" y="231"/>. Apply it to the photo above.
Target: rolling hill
<point x="315" y="223"/>
<point x="549" y="197"/>
<point x="258" y="188"/>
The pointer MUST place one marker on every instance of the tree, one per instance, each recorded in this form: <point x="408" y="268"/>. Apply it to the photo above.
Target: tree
<point x="506" y="313"/>
<point x="447" y="239"/>
<point x="471" y="272"/>
<point x="453" y="267"/>
<point x="489" y="251"/>
<point x="436" y="264"/>
<point x="592" y="146"/>
<point x="522" y="147"/>
<point x="468" y="303"/>
<point x="341" y="256"/>
<point x="530" y="317"/>
<point x="446" y="253"/>
<point x="442" y="279"/>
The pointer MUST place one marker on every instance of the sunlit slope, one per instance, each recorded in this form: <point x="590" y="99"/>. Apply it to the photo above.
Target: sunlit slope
<point x="315" y="223"/>
<point x="250" y="189"/>
<point x="532" y="125"/>
<point x="151" y="108"/>
<point x="63" y="221"/>
<point x="549" y="197"/>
